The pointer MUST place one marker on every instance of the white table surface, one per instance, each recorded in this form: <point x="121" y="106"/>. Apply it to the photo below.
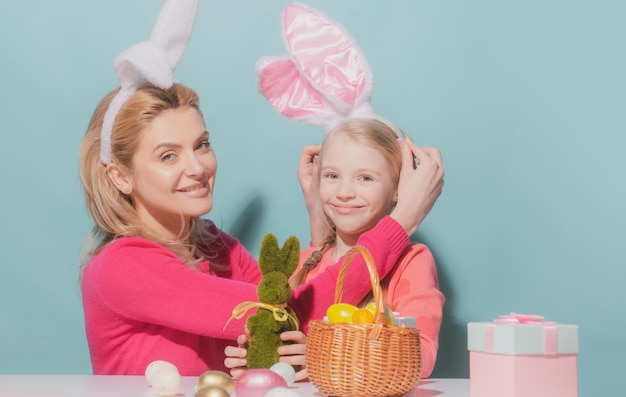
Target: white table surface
<point x="136" y="386"/>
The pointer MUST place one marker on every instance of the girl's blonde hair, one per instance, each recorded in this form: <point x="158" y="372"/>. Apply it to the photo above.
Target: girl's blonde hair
<point x="373" y="133"/>
<point x="112" y="211"/>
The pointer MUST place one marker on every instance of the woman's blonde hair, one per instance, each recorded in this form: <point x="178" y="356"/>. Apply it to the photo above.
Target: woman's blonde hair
<point x="373" y="133"/>
<point x="112" y="211"/>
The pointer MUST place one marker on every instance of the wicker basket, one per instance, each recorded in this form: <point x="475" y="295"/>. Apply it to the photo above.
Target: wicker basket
<point x="374" y="360"/>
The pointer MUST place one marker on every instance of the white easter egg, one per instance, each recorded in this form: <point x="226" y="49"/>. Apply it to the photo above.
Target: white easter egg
<point x="156" y="365"/>
<point x="166" y="381"/>
<point x="286" y="371"/>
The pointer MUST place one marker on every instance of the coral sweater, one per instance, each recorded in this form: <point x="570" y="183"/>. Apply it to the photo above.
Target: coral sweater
<point x="142" y="303"/>
<point x="413" y="290"/>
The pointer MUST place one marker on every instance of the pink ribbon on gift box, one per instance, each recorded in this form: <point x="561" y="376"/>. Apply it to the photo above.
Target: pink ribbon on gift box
<point x="550" y="336"/>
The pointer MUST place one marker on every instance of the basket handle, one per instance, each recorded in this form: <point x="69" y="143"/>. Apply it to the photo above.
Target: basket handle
<point x="379" y="316"/>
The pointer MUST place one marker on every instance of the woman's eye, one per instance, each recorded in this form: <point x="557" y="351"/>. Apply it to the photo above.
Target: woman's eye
<point x="330" y="176"/>
<point x="168" y="157"/>
<point x="204" y="145"/>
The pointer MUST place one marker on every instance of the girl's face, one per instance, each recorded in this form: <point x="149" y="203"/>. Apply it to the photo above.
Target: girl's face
<point x="173" y="171"/>
<point x="356" y="185"/>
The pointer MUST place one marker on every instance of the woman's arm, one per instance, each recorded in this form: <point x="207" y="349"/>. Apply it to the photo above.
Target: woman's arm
<point x="307" y="171"/>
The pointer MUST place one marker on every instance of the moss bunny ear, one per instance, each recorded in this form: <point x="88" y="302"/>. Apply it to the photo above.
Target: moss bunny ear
<point x="290" y="255"/>
<point x="273" y="258"/>
<point x="269" y="254"/>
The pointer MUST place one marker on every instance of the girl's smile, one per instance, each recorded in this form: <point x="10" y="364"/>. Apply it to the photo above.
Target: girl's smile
<point x="343" y="209"/>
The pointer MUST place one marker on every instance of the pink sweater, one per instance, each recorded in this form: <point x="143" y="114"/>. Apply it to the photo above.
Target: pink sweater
<point x="142" y="303"/>
<point x="413" y="290"/>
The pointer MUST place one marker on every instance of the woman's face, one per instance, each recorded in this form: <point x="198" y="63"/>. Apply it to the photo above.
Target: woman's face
<point x="173" y="171"/>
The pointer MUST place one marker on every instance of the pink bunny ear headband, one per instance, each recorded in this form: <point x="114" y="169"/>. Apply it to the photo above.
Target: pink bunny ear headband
<point x="325" y="81"/>
<point x="153" y="61"/>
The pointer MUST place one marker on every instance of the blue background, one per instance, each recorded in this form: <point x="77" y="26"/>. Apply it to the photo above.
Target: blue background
<point x="526" y="101"/>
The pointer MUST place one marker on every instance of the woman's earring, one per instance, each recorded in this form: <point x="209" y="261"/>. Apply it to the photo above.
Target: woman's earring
<point x="127" y="190"/>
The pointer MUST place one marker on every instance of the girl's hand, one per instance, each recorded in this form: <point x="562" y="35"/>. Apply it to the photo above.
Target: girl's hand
<point x="291" y="354"/>
<point x="294" y="353"/>
<point x="421" y="183"/>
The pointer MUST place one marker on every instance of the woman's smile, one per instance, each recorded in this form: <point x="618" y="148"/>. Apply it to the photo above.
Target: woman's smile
<point x="197" y="190"/>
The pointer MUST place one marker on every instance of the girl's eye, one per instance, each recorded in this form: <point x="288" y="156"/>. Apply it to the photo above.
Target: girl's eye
<point x="330" y="175"/>
<point x="366" y="178"/>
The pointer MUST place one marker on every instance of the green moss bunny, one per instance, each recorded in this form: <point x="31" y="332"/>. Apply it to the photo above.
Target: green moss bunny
<point x="273" y="317"/>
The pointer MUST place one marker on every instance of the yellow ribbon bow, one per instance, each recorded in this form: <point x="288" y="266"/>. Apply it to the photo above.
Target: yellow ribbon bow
<point x="279" y="311"/>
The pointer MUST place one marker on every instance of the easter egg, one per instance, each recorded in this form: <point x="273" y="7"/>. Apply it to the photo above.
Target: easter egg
<point x="257" y="382"/>
<point x="362" y="316"/>
<point x="388" y="312"/>
<point x="166" y="382"/>
<point x="286" y="371"/>
<point x="156" y="365"/>
<point x="340" y="313"/>
<point x="164" y="377"/>
<point x="216" y="378"/>
<point x="212" y="391"/>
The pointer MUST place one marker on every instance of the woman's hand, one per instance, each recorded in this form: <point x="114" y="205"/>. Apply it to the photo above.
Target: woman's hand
<point x="421" y="183"/>
<point x="307" y="175"/>
<point x="291" y="354"/>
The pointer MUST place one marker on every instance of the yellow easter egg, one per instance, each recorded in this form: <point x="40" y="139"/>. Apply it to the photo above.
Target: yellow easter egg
<point x="388" y="312"/>
<point x="340" y="313"/>
<point x="362" y="316"/>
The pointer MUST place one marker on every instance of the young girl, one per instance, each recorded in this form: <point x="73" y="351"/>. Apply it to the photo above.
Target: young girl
<point x="360" y="165"/>
<point x="357" y="180"/>
<point x="158" y="281"/>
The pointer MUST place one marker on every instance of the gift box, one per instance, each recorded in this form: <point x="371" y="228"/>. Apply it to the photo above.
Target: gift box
<point x="520" y="355"/>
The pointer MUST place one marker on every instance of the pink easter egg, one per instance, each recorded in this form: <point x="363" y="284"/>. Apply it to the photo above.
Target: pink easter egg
<point x="257" y="382"/>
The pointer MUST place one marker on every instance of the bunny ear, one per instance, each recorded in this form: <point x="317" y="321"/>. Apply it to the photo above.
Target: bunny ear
<point x="173" y="28"/>
<point x="143" y="61"/>
<point x="328" y="57"/>
<point x="291" y="94"/>
<point x="290" y="255"/>
<point x="269" y="253"/>
<point x="326" y="79"/>
<point x="153" y="60"/>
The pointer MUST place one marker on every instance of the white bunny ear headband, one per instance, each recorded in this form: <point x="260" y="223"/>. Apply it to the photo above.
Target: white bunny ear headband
<point x="325" y="80"/>
<point x="153" y="60"/>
